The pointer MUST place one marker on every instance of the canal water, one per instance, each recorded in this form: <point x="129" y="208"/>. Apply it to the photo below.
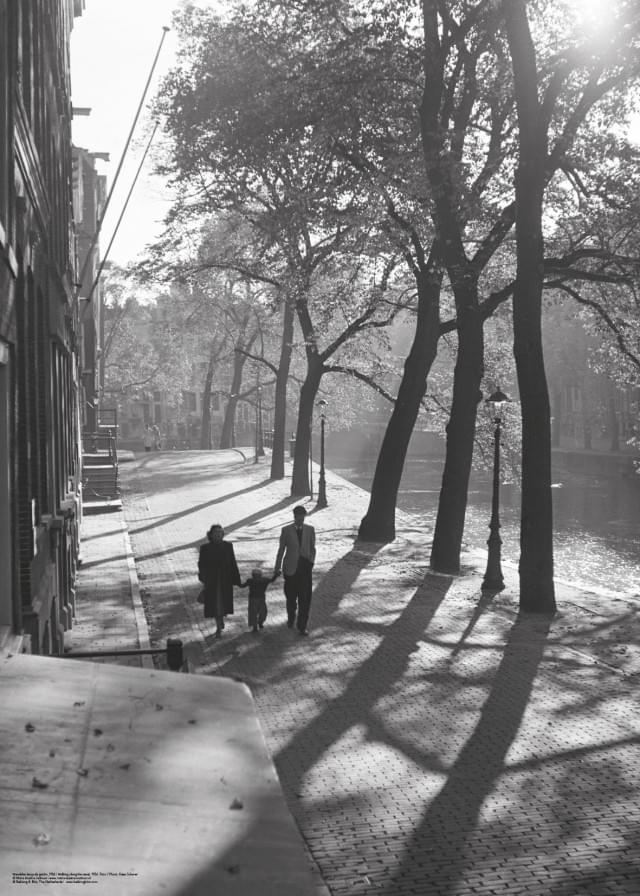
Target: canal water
<point x="596" y="520"/>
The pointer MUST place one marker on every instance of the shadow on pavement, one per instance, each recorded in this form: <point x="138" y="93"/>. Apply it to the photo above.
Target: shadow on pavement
<point x="197" y="507"/>
<point x="483" y="604"/>
<point x="142" y="557"/>
<point x="114" y="558"/>
<point x="373" y="680"/>
<point x="339" y="579"/>
<point x="266" y="511"/>
<point x="441" y="840"/>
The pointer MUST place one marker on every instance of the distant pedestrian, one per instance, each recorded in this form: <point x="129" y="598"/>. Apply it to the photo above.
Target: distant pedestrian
<point x="257" y="586"/>
<point x="298" y="548"/>
<point x="148" y="438"/>
<point x="157" y="438"/>
<point x="218" y="572"/>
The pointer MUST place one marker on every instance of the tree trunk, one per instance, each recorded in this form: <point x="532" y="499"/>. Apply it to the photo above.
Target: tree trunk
<point x="280" y="398"/>
<point x="556" y="420"/>
<point x="536" y="526"/>
<point x="613" y="424"/>
<point x="586" y="432"/>
<point x="300" y="484"/>
<point x="227" y="438"/>
<point x="379" y="522"/>
<point x="205" y="434"/>
<point x="461" y="429"/>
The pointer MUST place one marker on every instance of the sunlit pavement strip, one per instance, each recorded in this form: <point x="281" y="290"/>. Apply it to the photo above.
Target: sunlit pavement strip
<point x="107" y="571"/>
<point x="428" y="739"/>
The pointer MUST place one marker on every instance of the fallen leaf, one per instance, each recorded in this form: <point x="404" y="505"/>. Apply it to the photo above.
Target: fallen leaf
<point x="97" y="732"/>
<point x="159" y="706"/>
<point x="233" y="869"/>
<point x="193" y="721"/>
<point x="125" y="766"/>
<point x="83" y="772"/>
<point x="29" y="727"/>
<point x="80" y="703"/>
<point x="42" y="839"/>
<point x="37" y="783"/>
<point x="110" y="748"/>
<point x="236" y="804"/>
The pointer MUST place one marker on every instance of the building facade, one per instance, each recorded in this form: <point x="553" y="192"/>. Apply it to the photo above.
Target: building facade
<point x="89" y="196"/>
<point x="40" y="465"/>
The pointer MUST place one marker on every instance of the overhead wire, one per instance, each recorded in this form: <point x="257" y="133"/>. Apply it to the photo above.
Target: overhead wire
<point x="105" y="207"/>
<point x="122" y="214"/>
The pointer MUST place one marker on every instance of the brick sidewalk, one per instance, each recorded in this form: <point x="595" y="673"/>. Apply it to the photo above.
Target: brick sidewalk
<point x="429" y="740"/>
<point x="109" y="613"/>
<point x="260" y="847"/>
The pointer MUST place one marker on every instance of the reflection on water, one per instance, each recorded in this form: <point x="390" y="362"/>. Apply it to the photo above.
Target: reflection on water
<point x="596" y="521"/>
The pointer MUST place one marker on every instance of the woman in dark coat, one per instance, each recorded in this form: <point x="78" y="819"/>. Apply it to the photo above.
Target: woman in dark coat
<point x="218" y="572"/>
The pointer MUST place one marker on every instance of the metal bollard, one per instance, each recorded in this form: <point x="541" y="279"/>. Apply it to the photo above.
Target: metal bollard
<point x="175" y="657"/>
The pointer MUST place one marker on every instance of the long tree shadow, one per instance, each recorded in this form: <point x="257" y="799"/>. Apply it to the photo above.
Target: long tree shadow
<point x="256" y="517"/>
<point x="114" y="558"/>
<point x="451" y="818"/>
<point x="176" y="469"/>
<point x="195" y="508"/>
<point x="372" y="681"/>
<point x="228" y="527"/>
<point x="104" y="533"/>
<point x="483" y="604"/>
<point x="338" y="581"/>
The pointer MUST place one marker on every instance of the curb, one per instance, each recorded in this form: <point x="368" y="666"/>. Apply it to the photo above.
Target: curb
<point x="136" y="600"/>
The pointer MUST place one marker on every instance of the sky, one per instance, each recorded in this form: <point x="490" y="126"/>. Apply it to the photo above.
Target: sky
<point x="113" y="45"/>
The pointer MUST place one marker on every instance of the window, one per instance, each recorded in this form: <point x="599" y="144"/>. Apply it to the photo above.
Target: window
<point x="189" y="400"/>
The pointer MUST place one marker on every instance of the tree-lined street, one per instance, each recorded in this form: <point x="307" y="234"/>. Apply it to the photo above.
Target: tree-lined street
<point x="444" y="172"/>
<point x="400" y="239"/>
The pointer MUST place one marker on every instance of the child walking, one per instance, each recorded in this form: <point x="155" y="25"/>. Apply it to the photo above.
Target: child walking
<point x="257" y="585"/>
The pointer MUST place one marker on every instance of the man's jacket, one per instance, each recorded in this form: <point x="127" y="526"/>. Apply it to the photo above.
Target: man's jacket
<point x="292" y="549"/>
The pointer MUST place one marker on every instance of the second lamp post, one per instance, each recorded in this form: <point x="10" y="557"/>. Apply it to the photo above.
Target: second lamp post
<point x="493" y="580"/>
<point x="322" y="485"/>
<point x="259" y="440"/>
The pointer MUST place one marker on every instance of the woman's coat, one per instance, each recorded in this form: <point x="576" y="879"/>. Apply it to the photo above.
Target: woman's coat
<point x="218" y="572"/>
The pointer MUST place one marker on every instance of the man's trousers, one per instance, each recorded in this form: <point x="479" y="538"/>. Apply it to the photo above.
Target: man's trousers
<point x="297" y="590"/>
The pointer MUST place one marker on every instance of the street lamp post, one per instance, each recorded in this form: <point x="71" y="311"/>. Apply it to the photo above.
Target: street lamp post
<point x="493" y="580"/>
<point x="259" y="440"/>
<point x="261" y="451"/>
<point x="311" y="457"/>
<point x="322" y="484"/>
<point x="210" y="432"/>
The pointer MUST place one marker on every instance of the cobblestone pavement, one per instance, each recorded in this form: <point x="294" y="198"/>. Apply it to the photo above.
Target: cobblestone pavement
<point x="429" y="739"/>
<point x="108" y="613"/>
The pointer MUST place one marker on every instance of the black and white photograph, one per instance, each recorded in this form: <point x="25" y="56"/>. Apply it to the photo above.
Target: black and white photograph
<point x="319" y="447"/>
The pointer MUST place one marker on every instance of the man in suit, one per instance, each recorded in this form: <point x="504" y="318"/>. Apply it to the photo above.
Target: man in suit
<point x="298" y="547"/>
